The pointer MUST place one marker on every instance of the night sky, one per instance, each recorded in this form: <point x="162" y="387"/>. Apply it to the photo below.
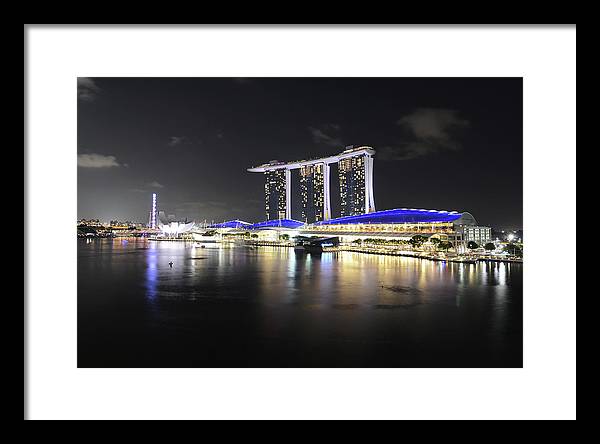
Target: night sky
<point x="442" y="143"/>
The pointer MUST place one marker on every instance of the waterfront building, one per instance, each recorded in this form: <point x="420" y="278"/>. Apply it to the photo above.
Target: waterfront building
<point x="400" y="224"/>
<point x="275" y="230"/>
<point x="396" y="224"/>
<point x="358" y="184"/>
<point x="359" y="220"/>
<point x="355" y="172"/>
<point x="312" y="192"/>
<point x="279" y="224"/>
<point x="171" y="227"/>
<point x="352" y="173"/>
<point x="232" y="224"/>
<point x="277" y="191"/>
<point x="477" y="234"/>
<point x="176" y="229"/>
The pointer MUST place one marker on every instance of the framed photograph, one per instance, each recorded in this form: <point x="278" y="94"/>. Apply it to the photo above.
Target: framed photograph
<point x="241" y="213"/>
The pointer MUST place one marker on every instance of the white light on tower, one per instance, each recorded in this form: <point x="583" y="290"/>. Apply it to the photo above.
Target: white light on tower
<point x="153" y="219"/>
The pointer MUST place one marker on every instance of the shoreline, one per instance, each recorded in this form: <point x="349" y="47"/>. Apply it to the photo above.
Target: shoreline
<point x="363" y="250"/>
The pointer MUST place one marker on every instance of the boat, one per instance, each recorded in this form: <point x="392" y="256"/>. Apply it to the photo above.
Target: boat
<point x="207" y="236"/>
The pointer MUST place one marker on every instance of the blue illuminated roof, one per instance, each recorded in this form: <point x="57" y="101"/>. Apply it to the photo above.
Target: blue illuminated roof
<point x="397" y="216"/>
<point x="277" y="223"/>
<point x="232" y="224"/>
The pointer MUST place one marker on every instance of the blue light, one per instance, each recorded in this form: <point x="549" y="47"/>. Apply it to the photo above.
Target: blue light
<point x="151" y="273"/>
<point x="232" y="224"/>
<point x="397" y="216"/>
<point x="276" y="223"/>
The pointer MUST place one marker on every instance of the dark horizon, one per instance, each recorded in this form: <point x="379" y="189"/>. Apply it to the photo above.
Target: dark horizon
<point x="441" y="143"/>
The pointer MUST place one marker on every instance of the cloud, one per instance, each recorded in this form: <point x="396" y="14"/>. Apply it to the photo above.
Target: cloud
<point x="96" y="161"/>
<point x="433" y="124"/>
<point x="177" y="140"/>
<point x="87" y="90"/>
<point x="147" y="187"/>
<point x="327" y="134"/>
<point x="432" y="130"/>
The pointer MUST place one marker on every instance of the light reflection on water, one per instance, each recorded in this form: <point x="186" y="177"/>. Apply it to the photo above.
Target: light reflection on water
<point x="151" y="273"/>
<point x="288" y="307"/>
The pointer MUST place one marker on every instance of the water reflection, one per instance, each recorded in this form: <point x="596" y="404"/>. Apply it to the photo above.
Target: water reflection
<point x="151" y="273"/>
<point x="284" y="276"/>
<point x="272" y="306"/>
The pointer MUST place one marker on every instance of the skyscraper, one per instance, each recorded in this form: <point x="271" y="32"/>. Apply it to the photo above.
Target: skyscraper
<point x="356" y="184"/>
<point x="312" y="190"/>
<point x="276" y="202"/>
<point x="356" y="176"/>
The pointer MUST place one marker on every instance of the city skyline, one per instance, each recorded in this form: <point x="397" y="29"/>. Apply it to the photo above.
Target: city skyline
<point x="453" y="144"/>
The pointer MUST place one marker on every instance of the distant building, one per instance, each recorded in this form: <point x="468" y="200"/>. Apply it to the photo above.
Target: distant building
<point x="477" y="234"/>
<point x="176" y="229"/>
<point x="395" y="226"/>
<point x="89" y="222"/>
<point x="171" y="227"/>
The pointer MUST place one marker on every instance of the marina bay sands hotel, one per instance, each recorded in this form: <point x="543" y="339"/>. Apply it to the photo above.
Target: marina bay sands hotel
<point x="355" y="173"/>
